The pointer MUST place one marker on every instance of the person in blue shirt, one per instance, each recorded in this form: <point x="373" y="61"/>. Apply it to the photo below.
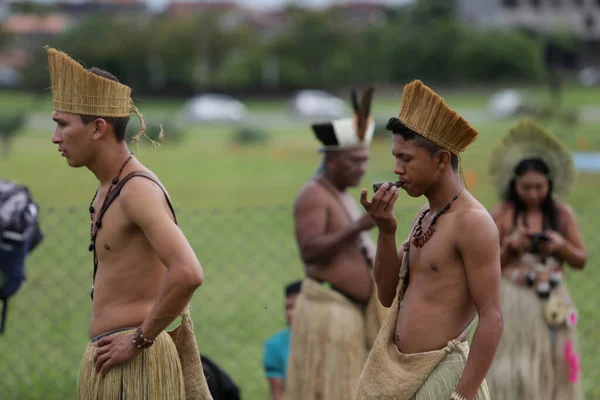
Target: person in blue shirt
<point x="277" y="347"/>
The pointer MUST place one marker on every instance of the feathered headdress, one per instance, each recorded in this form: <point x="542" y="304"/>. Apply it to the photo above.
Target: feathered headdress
<point x="426" y="113"/>
<point x="352" y="132"/>
<point x="527" y="140"/>
<point x="76" y="90"/>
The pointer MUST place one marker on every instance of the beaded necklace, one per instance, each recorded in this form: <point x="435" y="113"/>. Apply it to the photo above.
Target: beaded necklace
<point x="94" y="227"/>
<point x="420" y="238"/>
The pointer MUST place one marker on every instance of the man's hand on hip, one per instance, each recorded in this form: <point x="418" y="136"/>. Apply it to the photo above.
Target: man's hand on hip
<point x="114" y="350"/>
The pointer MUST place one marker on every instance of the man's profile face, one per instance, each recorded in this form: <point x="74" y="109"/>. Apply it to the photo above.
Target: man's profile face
<point x="349" y="166"/>
<point x="73" y="137"/>
<point x="415" y="166"/>
<point x="290" y="302"/>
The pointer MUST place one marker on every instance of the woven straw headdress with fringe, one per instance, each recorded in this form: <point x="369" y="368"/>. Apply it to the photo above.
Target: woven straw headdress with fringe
<point x="426" y="113"/>
<point x="76" y="90"/>
<point x="526" y="140"/>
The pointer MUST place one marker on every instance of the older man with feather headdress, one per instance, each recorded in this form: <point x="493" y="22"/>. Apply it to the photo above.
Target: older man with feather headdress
<point x="337" y="314"/>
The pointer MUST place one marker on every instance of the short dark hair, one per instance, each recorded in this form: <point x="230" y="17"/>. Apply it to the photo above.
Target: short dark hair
<point x="293" y="288"/>
<point x="398" y="128"/>
<point x="119" y="124"/>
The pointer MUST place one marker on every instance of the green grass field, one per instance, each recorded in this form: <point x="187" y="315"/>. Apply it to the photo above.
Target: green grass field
<point x="234" y="204"/>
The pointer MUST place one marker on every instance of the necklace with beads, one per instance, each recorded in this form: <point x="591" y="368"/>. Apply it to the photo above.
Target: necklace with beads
<point x="420" y="238"/>
<point x="95" y="226"/>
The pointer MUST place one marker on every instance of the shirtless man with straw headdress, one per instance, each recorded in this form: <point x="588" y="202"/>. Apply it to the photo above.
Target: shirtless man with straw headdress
<point x="337" y="314"/>
<point x="446" y="274"/>
<point x="145" y="271"/>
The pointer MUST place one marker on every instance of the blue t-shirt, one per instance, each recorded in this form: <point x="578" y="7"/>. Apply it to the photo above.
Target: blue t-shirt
<point x="277" y="350"/>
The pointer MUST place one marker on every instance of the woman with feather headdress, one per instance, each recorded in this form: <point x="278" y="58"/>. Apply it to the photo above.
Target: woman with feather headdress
<point x="337" y="314"/>
<point x="537" y="356"/>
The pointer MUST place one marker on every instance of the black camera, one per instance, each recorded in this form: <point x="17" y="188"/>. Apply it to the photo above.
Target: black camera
<point x="537" y="239"/>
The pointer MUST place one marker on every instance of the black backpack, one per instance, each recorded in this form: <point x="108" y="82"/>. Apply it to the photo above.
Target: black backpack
<point x="220" y="385"/>
<point x="19" y="235"/>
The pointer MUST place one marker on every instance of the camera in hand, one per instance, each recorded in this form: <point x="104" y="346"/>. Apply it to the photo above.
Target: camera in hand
<point x="537" y="239"/>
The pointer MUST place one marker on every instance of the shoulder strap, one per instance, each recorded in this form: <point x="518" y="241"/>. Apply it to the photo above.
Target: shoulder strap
<point x="117" y="190"/>
<point x="336" y="197"/>
<point x="349" y="216"/>
<point x="413" y="227"/>
<point x="114" y="194"/>
<point x="403" y="273"/>
<point x="465" y="332"/>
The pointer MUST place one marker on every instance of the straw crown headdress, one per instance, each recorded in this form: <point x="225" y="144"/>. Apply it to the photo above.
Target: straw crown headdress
<point x="348" y="133"/>
<point x="529" y="140"/>
<point x="426" y="113"/>
<point x="78" y="91"/>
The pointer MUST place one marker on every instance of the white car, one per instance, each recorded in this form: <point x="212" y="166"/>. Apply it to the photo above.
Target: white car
<point x="317" y="104"/>
<point x="214" y="108"/>
<point x="506" y="103"/>
<point x="589" y="76"/>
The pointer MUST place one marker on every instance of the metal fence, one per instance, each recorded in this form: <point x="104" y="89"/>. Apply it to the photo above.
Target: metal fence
<point x="248" y="255"/>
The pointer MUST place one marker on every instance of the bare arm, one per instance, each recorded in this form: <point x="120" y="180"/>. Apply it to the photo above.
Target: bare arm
<point x="505" y="250"/>
<point x="310" y="217"/>
<point x="387" y="268"/>
<point x="144" y="204"/>
<point x="481" y="257"/>
<point x="387" y="258"/>
<point x="512" y="242"/>
<point x="499" y="214"/>
<point x="276" y="385"/>
<point x="274" y="366"/>
<point x="572" y="251"/>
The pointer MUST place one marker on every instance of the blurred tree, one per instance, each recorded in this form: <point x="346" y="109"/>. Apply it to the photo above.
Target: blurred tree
<point x="11" y="125"/>
<point x="5" y="38"/>
<point x="168" y="56"/>
<point x="315" y="51"/>
<point x="560" y="50"/>
<point x="426" y="11"/>
<point x="498" y="55"/>
<point x="28" y="6"/>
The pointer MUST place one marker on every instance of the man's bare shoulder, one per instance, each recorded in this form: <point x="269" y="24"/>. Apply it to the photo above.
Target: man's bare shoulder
<point x="142" y="196"/>
<point x="476" y="224"/>
<point x="311" y="194"/>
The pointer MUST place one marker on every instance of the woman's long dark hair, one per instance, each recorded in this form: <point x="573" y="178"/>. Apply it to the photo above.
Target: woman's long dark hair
<point x="549" y="209"/>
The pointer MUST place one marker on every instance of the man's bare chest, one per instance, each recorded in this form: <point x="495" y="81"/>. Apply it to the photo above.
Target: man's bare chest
<point x="116" y="235"/>
<point x="437" y="258"/>
<point x="340" y="214"/>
